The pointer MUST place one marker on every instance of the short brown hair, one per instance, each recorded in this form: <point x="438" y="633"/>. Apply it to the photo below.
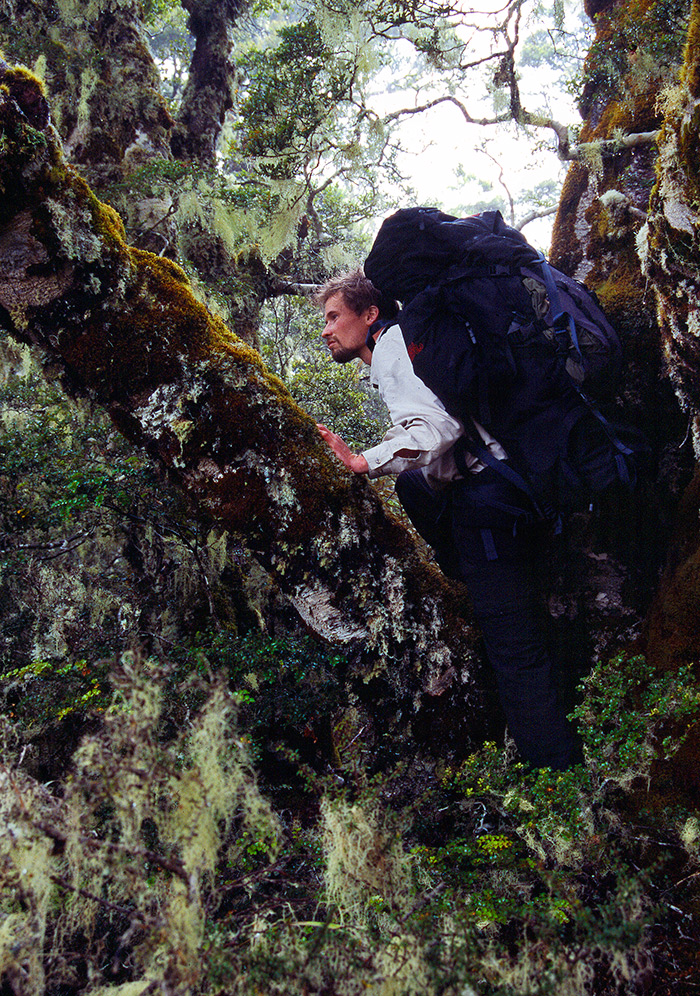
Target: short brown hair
<point x="359" y="294"/>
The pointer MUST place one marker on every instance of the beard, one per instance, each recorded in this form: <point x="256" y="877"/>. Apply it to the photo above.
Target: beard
<point x="343" y="355"/>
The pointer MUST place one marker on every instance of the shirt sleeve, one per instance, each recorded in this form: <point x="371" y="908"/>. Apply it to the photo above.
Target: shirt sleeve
<point x="420" y="424"/>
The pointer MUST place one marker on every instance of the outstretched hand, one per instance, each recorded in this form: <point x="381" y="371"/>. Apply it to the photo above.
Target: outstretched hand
<point x="353" y="461"/>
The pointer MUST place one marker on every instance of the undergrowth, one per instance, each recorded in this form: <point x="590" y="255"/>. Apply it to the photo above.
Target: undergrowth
<point x="174" y="857"/>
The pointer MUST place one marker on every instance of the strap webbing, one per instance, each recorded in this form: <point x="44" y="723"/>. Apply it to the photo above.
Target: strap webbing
<point x="477" y="448"/>
<point x="489" y="544"/>
<point x="558" y="316"/>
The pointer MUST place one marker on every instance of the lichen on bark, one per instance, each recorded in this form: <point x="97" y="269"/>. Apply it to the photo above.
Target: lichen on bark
<point x="127" y="331"/>
<point x="673" y="234"/>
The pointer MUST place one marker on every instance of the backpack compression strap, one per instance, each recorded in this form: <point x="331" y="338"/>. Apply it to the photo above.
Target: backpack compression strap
<point x="555" y="303"/>
<point x="554" y="300"/>
<point x="474" y="444"/>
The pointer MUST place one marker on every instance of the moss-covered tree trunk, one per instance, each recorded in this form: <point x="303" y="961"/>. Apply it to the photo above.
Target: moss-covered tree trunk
<point x="117" y="129"/>
<point x="106" y="102"/>
<point x="617" y="553"/>
<point x="629" y="226"/>
<point x="126" y="330"/>
<point x="672" y="258"/>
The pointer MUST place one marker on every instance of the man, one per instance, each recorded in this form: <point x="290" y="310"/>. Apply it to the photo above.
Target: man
<point x="481" y="527"/>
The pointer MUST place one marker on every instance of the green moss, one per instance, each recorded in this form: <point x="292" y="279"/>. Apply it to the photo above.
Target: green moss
<point x="691" y="60"/>
<point x="107" y="222"/>
<point x="566" y="251"/>
<point x="637" y="50"/>
<point x="621" y="290"/>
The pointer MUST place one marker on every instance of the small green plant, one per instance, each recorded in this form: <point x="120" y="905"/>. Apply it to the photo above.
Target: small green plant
<point x="631" y="715"/>
<point x="49" y="691"/>
<point x="288" y="689"/>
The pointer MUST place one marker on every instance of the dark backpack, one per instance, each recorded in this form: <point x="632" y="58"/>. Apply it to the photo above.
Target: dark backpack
<point x="500" y="335"/>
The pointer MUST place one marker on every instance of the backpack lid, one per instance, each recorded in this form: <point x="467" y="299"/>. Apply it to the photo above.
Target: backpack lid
<point x="415" y="247"/>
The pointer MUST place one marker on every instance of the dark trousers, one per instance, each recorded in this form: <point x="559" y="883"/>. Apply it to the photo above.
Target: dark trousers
<point x="483" y="533"/>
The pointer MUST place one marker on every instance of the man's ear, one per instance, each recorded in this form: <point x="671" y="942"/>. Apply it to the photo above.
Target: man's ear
<point x="371" y="315"/>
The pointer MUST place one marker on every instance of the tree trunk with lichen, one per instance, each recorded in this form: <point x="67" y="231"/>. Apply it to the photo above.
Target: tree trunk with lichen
<point x="116" y="128"/>
<point x="628" y="226"/>
<point x="207" y="96"/>
<point x="616" y="556"/>
<point x="107" y="107"/>
<point x="126" y="330"/>
<point x="672" y="263"/>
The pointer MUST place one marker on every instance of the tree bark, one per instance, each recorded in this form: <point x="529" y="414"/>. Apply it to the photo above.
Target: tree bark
<point x="106" y="103"/>
<point x="116" y="128"/>
<point x="601" y="217"/>
<point x="126" y="330"/>
<point x="207" y="96"/>
<point x="673" y="233"/>
<point x="672" y="262"/>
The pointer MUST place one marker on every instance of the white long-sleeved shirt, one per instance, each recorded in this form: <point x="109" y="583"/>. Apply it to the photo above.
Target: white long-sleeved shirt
<point x="420" y="423"/>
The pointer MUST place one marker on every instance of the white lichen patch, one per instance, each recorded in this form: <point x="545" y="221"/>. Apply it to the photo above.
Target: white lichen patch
<point x="582" y="227"/>
<point x="315" y="606"/>
<point x="142" y="149"/>
<point x="77" y="12"/>
<point x="278" y="486"/>
<point x="163" y="412"/>
<point x="229" y="368"/>
<point x="73" y="226"/>
<point x="695" y="435"/>
<point x="394" y="591"/>
<point x="347" y="535"/>
<point x="679" y="216"/>
<point x="693" y="318"/>
<point x="642" y="245"/>
<point x="206" y="469"/>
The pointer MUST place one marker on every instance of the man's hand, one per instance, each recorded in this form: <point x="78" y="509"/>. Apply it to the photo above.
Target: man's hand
<point x="353" y="461"/>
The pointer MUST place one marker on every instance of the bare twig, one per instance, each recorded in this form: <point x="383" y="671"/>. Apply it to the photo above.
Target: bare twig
<point x="533" y="215"/>
<point x="172" y="865"/>
<point x="134" y="913"/>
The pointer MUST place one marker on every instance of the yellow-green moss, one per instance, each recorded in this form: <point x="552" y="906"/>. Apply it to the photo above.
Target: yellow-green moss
<point x="691" y="58"/>
<point x="20" y="74"/>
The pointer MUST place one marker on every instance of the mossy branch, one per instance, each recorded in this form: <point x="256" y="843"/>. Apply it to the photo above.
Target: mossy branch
<point x="125" y="329"/>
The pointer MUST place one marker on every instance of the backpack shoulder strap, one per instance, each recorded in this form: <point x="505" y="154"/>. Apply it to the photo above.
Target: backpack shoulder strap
<point x="380" y="326"/>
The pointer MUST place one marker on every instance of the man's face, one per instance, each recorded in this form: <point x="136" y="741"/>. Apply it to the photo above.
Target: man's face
<point x="345" y="332"/>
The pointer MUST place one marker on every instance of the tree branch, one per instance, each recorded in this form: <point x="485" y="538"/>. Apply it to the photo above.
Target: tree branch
<point x="126" y="329"/>
<point x="535" y="214"/>
<point x="614" y="146"/>
<point x="448" y="99"/>
<point x="565" y="150"/>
